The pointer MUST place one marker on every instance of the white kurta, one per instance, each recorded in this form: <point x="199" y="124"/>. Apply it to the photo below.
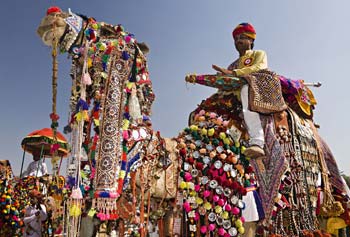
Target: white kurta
<point x="250" y="212"/>
<point x="34" y="170"/>
<point x="33" y="223"/>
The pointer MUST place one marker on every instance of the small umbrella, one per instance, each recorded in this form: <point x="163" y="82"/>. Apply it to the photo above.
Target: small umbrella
<point x="42" y="140"/>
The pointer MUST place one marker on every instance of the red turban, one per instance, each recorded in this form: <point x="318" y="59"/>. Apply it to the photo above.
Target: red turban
<point x="246" y="29"/>
<point x="35" y="194"/>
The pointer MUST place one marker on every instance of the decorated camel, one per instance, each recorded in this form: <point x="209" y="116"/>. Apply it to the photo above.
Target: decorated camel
<point x="112" y="133"/>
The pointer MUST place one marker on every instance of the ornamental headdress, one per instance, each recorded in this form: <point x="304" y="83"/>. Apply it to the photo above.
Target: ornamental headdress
<point x="246" y="29"/>
<point x="35" y="194"/>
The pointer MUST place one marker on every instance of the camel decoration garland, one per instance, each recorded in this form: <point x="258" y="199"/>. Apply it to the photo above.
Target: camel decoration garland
<point x="112" y="97"/>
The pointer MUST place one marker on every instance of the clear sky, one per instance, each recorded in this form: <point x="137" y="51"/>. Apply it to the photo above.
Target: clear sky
<point x="303" y="39"/>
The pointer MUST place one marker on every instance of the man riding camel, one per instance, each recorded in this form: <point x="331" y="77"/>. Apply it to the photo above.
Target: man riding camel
<point x="249" y="62"/>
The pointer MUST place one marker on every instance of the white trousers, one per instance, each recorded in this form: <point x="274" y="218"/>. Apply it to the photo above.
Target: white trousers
<point x="252" y="121"/>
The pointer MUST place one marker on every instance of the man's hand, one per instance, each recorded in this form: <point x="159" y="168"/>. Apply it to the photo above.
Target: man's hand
<point x="223" y="70"/>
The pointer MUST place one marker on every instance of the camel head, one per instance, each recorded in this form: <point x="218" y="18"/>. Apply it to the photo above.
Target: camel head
<point x="54" y="26"/>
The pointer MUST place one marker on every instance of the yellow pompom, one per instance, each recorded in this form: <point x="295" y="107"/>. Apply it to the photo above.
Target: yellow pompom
<point x="126" y="124"/>
<point x="183" y="185"/>
<point x="94" y="26"/>
<point x="225" y="215"/>
<point x="227" y="140"/>
<point x="204" y="131"/>
<point x="129" y="85"/>
<point x="75" y="211"/>
<point x="238" y="223"/>
<point x="222" y="135"/>
<point x="218" y="209"/>
<point x="207" y="206"/>
<point x="211" y="132"/>
<point x="190" y="185"/>
<point x="199" y="201"/>
<point x="194" y="127"/>
<point x="89" y="62"/>
<point x="241" y="230"/>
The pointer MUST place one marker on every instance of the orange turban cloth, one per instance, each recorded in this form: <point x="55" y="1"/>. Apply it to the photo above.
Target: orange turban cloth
<point x="244" y="28"/>
<point x="35" y="194"/>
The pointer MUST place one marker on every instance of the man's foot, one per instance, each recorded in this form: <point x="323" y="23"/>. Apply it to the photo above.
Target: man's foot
<point x="254" y="151"/>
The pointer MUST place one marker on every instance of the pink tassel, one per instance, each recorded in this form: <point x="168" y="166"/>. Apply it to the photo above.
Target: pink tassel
<point x="86" y="79"/>
<point x="125" y="135"/>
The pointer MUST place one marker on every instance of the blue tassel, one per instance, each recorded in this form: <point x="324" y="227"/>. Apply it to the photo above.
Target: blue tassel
<point x="125" y="55"/>
<point x="104" y="194"/>
<point x="71" y="181"/>
<point x="97" y="106"/>
<point x="127" y="116"/>
<point x="123" y="166"/>
<point x="145" y="118"/>
<point x="82" y="104"/>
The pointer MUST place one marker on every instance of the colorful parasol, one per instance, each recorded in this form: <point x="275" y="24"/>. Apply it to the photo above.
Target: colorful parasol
<point x="42" y="140"/>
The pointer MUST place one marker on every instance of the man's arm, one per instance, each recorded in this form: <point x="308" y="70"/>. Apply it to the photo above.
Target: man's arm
<point x="43" y="214"/>
<point x="29" y="170"/>
<point x="28" y="216"/>
<point x="44" y="169"/>
<point x="259" y="63"/>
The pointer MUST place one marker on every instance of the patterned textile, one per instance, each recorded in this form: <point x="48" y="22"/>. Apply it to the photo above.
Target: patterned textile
<point x="265" y="93"/>
<point x="275" y="166"/>
<point x="297" y="95"/>
<point x="335" y="178"/>
<point x="110" y="139"/>
<point x="222" y="82"/>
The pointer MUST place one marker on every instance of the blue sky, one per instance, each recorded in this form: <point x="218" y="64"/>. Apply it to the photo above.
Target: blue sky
<point x="303" y="39"/>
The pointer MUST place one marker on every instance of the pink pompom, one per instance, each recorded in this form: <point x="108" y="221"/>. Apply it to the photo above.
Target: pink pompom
<point x="221" y="231"/>
<point x="196" y="216"/>
<point x="212" y="227"/>
<point x="187" y="176"/>
<point x="197" y="187"/>
<point x="202" y="112"/>
<point x="203" y="229"/>
<point x="206" y="193"/>
<point x="228" y="207"/>
<point x="125" y="135"/>
<point x="242" y="219"/>
<point x="225" y="123"/>
<point x="215" y="198"/>
<point x="127" y="39"/>
<point x="212" y="115"/>
<point x="235" y="211"/>
<point x="187" y="206"/>
<point x="221" y="202"/>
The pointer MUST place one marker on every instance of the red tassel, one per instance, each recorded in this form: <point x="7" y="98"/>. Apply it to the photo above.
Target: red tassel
<point x="53" y="9"/>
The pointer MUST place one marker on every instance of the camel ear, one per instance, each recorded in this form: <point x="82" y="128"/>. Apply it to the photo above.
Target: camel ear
<point x="143" y="47"/>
